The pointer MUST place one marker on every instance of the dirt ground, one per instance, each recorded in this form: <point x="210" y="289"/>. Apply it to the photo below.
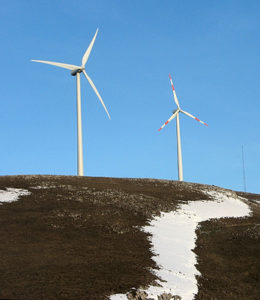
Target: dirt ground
<point x="80" y="238"/>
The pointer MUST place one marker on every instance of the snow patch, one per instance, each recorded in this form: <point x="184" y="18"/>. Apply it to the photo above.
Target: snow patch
<point x="12" y="194"/>
<point x="118" y="297"/>
<point x="174" y="237"/>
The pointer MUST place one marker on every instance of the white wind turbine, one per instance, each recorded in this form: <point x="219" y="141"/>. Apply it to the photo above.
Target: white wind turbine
<point x="75" y="71"/>
<point x="176" y="114"/>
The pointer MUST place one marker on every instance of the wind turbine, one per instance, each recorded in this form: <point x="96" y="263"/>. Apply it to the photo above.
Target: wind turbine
<point x="176" y="114"/>
<point x="75" y="71"/>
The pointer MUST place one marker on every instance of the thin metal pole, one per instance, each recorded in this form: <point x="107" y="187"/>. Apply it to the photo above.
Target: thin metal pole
<point x="79" y="129"/>
<point x="244" y="172"/>
<point x="180" y="170"/>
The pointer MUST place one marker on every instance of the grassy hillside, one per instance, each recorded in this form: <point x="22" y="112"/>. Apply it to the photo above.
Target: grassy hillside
<point x="80" y="238"/>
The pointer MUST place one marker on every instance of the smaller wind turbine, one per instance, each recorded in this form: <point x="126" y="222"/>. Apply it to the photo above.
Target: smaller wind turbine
<point x="176" y="114"/>
<point x="75" y="71"/>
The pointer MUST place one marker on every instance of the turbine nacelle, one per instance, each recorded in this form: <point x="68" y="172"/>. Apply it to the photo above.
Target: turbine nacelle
<point x="74" y="72"/>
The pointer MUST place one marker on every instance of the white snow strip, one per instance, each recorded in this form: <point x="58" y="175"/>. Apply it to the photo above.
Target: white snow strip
<point x="11" y="194"/>
<point x="118" y="297"/>
<point x="173" y="238"/>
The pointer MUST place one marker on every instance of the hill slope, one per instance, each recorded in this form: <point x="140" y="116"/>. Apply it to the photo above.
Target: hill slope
<point x="80" y="238"/>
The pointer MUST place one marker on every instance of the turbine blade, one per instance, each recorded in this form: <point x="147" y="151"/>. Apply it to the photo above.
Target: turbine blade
<point x="189" y="115"/>
<point x="61" y="65"/>
<point x="96" y="91"/>
<point x="174" y="93"/>
<point x="87" y="53"/>
<point x="171" y="118"/>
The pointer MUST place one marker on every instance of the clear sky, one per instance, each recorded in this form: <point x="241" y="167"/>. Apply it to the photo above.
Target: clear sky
<point x="211" y="49"/>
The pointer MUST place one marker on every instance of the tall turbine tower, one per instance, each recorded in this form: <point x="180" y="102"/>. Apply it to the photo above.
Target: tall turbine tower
<point x="176" y="114"/>
<point x="75" y="71"/>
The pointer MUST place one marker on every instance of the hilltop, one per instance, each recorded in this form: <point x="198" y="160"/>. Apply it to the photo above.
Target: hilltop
<point x="80" y="238"/>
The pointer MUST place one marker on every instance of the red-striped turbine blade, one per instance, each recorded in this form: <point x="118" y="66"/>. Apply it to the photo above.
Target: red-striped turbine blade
<point x="174" y="93"/>
<point x="189" y="115"/>
<point x="171" y="118"/>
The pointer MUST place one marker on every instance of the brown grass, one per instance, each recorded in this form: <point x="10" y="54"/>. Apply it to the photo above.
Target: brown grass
<point x="228" y="256"/>
<point x="80" y="238"/>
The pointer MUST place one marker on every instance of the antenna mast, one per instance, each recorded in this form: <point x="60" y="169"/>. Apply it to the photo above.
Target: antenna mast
<point x="244" y="172"/>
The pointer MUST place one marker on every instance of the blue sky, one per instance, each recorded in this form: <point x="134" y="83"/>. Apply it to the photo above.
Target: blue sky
<point x="211" y="49"/>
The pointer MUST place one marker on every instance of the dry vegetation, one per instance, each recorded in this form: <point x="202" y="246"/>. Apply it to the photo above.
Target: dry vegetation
<point x="228" y="256"/>
<point x="80" y="238"/>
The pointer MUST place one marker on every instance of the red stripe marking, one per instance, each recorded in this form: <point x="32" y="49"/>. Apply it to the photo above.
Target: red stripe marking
<point x="166" y="122"/>
<point x="159" y="129"/>
<point x="197" y="119"/>
<point x="206" y="124"/>
<point x="171" y="82"/>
